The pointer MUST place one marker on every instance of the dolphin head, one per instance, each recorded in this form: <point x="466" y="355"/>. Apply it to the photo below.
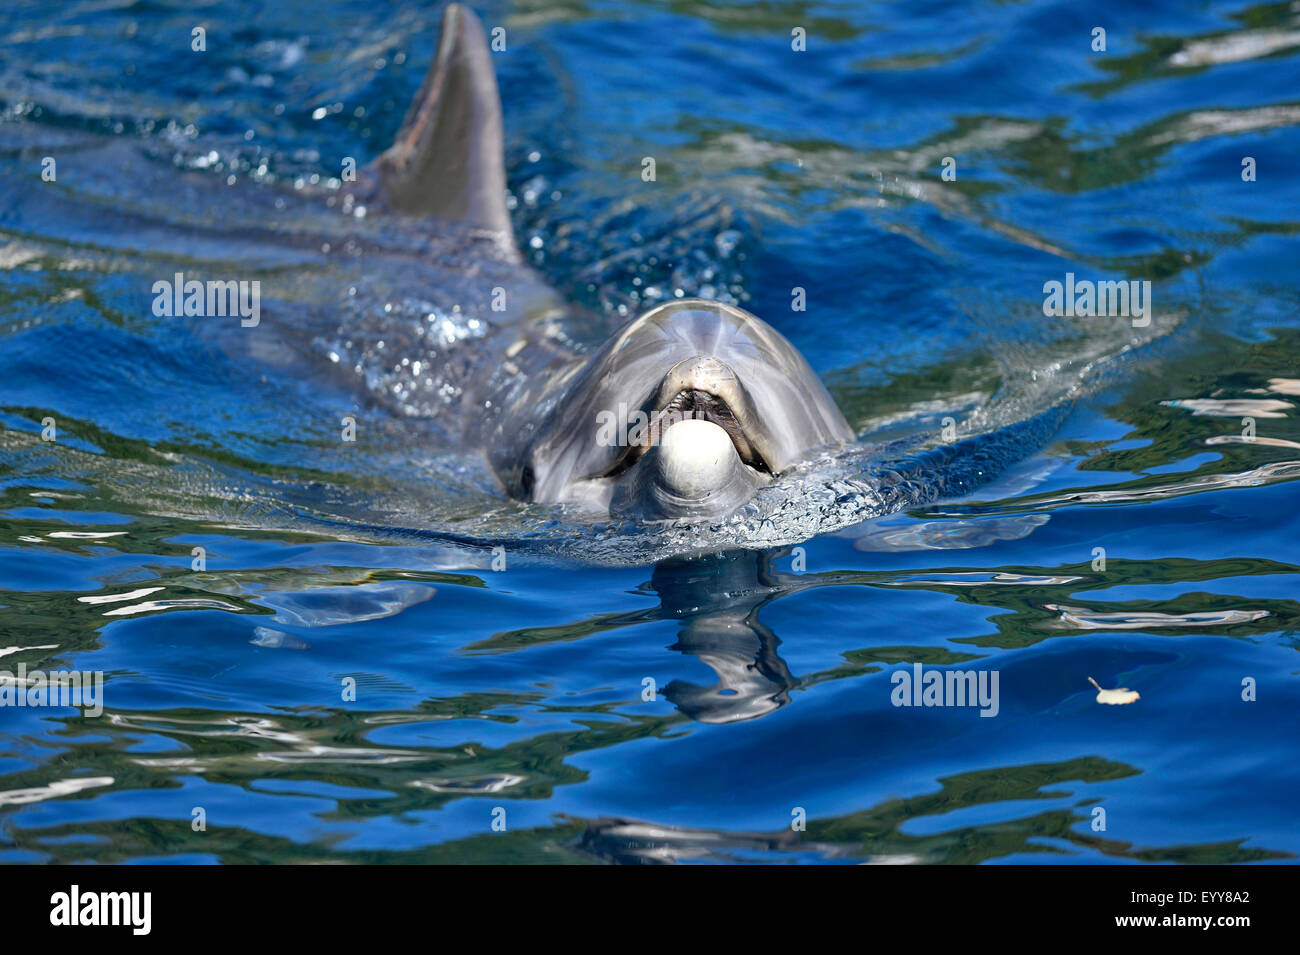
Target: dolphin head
<point x="685" y="412"/>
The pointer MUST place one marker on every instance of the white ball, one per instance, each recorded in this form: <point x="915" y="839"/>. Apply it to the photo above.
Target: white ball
<point x="695" y="457"/>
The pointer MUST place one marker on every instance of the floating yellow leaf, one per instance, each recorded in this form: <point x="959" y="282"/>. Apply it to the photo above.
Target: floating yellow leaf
<point x="1114" y="697"/>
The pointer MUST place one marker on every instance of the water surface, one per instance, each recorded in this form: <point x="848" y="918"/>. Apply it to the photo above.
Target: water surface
<point x="520" y="693"/>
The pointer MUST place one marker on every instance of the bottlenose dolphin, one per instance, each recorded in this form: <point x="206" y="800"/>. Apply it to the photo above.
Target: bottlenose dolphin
<point x="400" y="309"/>
<point x="685" y="412"/>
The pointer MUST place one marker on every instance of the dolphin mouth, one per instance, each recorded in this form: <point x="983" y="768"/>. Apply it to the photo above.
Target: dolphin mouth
<point x="724" y="404"/>
<point x="700" y="405"/>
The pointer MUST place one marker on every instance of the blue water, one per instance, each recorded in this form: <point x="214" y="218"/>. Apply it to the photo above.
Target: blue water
<point x="597" y="699"/>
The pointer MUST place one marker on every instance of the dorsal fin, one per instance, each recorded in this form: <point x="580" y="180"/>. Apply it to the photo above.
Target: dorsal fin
<point x="448" y="159"/>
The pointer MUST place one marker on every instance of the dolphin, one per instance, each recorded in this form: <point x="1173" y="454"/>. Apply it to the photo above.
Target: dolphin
<point x="685" y="412"/>
<point x="404" y="292"/>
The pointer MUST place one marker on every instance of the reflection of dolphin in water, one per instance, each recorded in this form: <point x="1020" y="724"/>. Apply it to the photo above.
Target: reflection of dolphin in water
<point x="686" y="411"/>
<point x="717" y="599"/>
